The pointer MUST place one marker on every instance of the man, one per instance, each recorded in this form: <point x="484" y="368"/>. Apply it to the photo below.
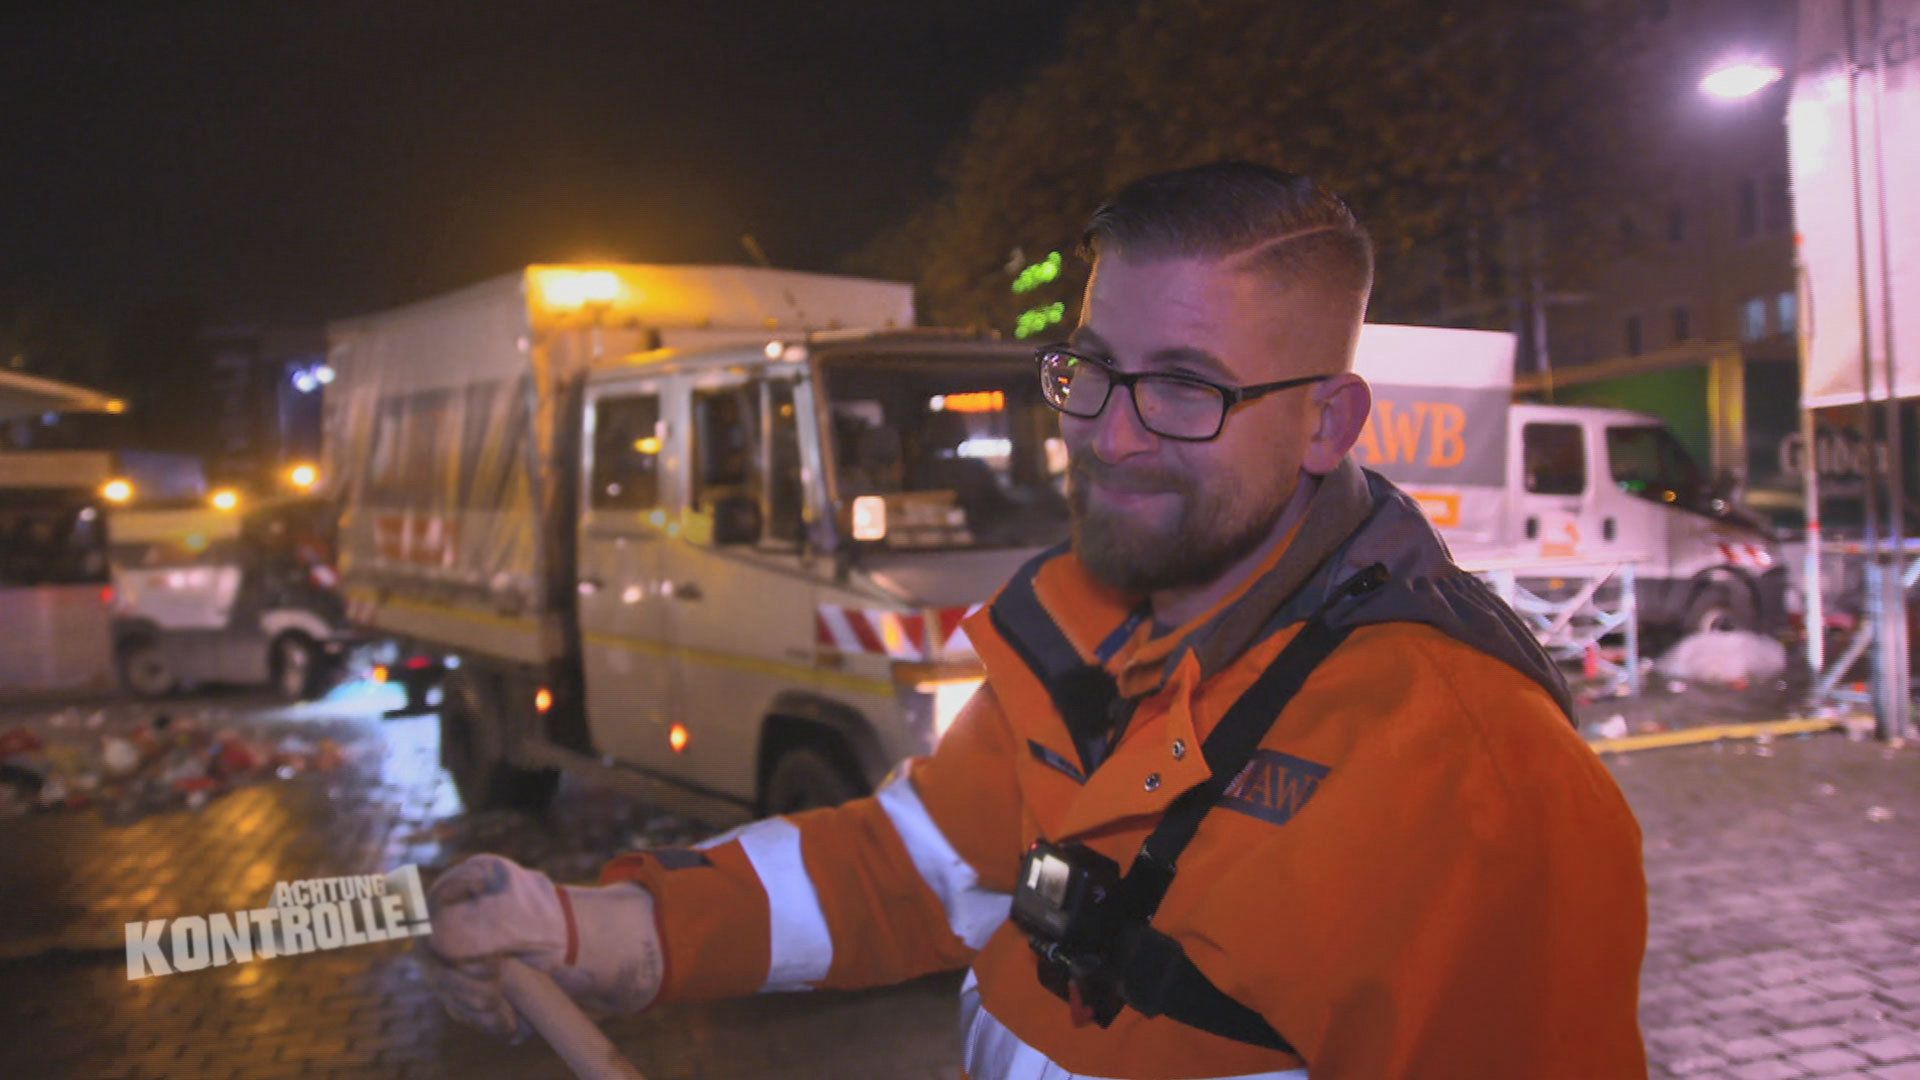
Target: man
<point x="1415" y="868"/>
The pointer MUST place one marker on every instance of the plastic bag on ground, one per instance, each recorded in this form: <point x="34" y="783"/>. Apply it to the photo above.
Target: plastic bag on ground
<point x="1725" y="657"/>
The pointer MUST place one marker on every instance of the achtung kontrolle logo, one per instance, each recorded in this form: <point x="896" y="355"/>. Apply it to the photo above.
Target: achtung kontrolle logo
<point x="302" y="917"/>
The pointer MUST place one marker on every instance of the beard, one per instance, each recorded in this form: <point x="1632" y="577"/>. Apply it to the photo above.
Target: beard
<point x="1215" y="526"/>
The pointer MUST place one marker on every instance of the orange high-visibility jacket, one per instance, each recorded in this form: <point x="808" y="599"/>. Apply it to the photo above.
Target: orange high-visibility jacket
<point x="1423" y="872"/>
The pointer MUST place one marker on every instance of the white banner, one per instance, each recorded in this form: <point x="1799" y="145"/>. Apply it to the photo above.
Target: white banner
<point x="1822" y="160"/>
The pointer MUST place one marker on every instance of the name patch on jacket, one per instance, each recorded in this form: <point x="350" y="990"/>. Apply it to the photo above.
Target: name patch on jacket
<point x="1274" y="786"/>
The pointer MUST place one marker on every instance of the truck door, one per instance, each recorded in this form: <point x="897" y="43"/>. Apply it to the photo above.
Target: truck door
<point x="1552" y="498"/>
<point x="742" y="595"/>
<point x="623" y="611"/>
<point x="1664" y="493"/>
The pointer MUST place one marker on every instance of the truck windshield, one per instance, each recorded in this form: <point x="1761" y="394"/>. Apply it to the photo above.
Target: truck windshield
<point x="1649" y="462"/>
<point x="944" y="451"/>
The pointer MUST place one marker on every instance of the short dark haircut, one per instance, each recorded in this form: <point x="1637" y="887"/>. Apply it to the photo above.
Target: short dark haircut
<point x="1291" y="228"/>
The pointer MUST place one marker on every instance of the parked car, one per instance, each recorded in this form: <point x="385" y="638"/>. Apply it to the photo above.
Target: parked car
<point x="246" y="595"/>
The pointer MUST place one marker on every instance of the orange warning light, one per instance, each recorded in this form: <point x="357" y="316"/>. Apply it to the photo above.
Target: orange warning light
<point x="542" y="700"/>
<point x="677" y="737"/>
<point x="973" y="401"/>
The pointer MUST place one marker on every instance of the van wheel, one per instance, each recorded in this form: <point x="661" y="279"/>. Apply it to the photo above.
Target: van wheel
<point x="473" y="734"/>
<point x="805" y="778"/>
<point x="144" y="669"/>
<point x="1719" y="608"/>
<point x="293" y="665"/>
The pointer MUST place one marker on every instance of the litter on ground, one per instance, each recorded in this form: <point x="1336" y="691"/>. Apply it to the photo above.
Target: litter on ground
<point x="1726" y="658"/>
<point x="133" y="769"/>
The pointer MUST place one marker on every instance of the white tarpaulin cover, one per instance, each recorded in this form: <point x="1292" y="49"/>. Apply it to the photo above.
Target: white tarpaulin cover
<point x="1820" y="147"/>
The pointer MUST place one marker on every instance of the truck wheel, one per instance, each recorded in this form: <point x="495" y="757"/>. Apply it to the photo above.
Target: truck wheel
<point x="805" y="778"/>
<point x="293" y="666"/>
<point x="473" y="734"/>
<point x="1720" y="607"/>
<point x="144" y="669"/>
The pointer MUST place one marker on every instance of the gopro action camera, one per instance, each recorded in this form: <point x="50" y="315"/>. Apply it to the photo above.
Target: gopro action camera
<point x="1067" y="902"/>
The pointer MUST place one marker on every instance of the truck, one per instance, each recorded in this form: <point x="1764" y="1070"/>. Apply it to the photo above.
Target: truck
<point x="719" y="527"/>
<point x="710" y="525"/>
<point x="1731" y="411"/>
<point x="1505" y="480"/>
<point x="55" y="586"/>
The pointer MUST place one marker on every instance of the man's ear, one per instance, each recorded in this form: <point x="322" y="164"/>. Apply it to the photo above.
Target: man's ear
<point x="1345" y="402"/>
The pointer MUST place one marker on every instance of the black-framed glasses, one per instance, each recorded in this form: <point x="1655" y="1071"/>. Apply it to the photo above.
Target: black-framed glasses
<point x="1182" y="407"/>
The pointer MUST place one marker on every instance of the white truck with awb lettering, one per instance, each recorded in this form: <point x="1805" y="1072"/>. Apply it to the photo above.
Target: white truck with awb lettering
<point x="682" y="523"/>
<point x="1506" y="481"/>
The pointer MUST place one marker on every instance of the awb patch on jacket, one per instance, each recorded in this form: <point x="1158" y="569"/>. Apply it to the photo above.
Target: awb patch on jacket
<point x="1274" y="786"/>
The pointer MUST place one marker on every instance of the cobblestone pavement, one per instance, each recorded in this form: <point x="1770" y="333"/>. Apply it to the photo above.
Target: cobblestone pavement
<point x="1785" y="881"/>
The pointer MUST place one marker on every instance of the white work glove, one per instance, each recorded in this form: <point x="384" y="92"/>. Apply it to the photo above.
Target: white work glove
<point x="489" y="907"/>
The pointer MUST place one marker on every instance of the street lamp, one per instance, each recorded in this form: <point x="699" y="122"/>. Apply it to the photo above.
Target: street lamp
<point x="1732" y="80"/>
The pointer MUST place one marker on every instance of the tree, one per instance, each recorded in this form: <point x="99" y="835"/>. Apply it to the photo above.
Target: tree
<point x="1455" y="131"/>
<point x="55" y="339"/>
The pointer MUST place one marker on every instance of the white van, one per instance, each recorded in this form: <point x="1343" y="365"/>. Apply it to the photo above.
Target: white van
<point x="243" y="596"/>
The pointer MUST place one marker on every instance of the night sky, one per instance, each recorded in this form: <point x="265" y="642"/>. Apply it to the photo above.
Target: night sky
<point x="296" y="162"/>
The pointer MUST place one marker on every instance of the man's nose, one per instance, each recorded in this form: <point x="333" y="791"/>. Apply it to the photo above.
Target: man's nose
<point x="1118" y="431"/>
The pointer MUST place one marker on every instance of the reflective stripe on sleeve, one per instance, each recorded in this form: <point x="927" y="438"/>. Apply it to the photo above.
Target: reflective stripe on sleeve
<point x="973" y="913"/>
<point x="991" y="1050"/>
<point x="800" y="946"/>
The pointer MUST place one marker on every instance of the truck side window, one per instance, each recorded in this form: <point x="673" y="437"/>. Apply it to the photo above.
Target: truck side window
<point x="1554" y="459"/>
<point x="626" y="453"/>
<point x="726" y="444"/>
<point x="785" y="495"/>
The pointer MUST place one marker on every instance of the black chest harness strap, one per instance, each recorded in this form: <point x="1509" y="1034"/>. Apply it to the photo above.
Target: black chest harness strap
<point x="1157" y="978"/>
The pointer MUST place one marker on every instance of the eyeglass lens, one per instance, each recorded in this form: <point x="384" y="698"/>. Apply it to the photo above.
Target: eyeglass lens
<point x="1168" y="406"/>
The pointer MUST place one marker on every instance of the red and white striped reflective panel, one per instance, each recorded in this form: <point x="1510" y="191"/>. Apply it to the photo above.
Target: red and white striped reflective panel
<point x="900" y="635"/>
<point x="1754" y="556"/>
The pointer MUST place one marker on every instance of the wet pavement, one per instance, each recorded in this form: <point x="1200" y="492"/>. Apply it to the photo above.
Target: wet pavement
<point x="1784" y="879"/>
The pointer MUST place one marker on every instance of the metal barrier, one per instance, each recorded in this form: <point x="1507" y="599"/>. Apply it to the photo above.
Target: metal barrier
<point x="1826" y="688"/>
<point x="1570" y="628"/>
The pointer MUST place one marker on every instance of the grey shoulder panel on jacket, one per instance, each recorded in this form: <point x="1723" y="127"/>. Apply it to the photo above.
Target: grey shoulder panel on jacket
<point x="1424" y="585"/>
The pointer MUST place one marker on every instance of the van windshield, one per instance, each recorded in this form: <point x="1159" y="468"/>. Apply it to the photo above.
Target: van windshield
<point x="1649" y="462"/>
<point x="944" y="451"/>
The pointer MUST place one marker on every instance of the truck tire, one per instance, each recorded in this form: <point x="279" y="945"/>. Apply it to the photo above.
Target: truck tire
<point x="293" y="666"/>
<point x="144" y="669"/>
<point x="807" y="777"/>
<point x="1721" y="606"/>
<point x="473" y="748"/>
